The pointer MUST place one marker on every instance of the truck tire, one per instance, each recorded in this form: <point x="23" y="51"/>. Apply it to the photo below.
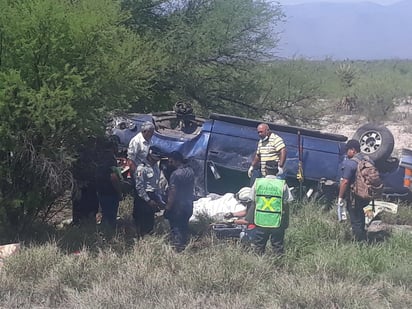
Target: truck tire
<point x="387" y="166"/>
<point x="376" y="141"/>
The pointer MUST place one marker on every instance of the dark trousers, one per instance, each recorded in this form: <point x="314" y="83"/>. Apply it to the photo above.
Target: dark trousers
<point x="179" y="227"/>
<point x="85" y="205"/>
<point x="109" y="205"/>
<point x="143" y="215"/>
<point x="357" y="218"/>
<point x="276" y="236"/>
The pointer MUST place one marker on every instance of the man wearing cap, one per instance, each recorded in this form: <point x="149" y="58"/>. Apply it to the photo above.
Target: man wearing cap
<point x="354" y="204"/>
<point x="147" y="200"/>
<point x="139" y="145"/>
<point x="271" y="147"/>
<point x="179" y="207"/>
<point x="269" y="211"/>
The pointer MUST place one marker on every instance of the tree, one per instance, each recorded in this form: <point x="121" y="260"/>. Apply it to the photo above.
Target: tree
<point x="288" y="90"/>
<point x="210" y="47"/>
<point x="375" y="97"/>
<point x="64" y="64"/>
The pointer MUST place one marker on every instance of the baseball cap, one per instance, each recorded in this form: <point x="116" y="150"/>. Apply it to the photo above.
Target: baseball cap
<point x="353" y="144"/>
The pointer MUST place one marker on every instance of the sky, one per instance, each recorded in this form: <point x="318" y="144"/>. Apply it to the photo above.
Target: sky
<point x="383" y="2"/>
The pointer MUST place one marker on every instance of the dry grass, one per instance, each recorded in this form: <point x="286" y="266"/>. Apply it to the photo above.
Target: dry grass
<point x="322" y="268"/>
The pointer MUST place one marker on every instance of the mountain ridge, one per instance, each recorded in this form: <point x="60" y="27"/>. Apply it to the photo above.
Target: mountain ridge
<point x="361" y="31"/>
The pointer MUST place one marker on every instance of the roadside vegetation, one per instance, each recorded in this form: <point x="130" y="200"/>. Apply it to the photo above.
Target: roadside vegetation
<point x="322" y="267"/>
<point x="66" y="65"/>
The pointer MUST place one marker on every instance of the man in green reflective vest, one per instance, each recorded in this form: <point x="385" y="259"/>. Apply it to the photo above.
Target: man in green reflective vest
<point x="270" y="210"/>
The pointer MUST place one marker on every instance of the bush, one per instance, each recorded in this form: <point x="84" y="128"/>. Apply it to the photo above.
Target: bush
<point x="64" y="64"/>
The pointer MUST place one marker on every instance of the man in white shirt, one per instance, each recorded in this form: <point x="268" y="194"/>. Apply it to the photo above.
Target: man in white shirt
<point x="139" y="146"/>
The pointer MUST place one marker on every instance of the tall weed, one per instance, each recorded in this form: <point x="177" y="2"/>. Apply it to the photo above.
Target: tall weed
<point x="322" y="268"/>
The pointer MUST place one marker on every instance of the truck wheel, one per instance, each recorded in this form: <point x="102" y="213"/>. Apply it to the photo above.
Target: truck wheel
<point x="376" y="141"/>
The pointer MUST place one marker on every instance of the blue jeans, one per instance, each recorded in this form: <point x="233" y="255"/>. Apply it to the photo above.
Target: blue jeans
<point x="179" y="227"/>
<point x="109" y="205"/>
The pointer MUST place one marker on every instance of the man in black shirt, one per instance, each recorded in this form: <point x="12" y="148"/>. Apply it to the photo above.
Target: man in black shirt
<point x="179" y="207"/>
<point x="108" y="179"/>
<point x="354" y="204"/>
<point x="84" y="195"/>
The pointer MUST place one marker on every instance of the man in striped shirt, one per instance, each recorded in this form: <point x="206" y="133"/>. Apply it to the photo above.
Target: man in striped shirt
<point x="271" y="147"/>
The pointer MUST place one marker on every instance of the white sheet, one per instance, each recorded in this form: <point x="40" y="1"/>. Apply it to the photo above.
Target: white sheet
<point x="214" y="206"/>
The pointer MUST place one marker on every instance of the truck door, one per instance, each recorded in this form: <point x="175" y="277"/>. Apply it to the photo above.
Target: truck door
<point x="230" y="152"/>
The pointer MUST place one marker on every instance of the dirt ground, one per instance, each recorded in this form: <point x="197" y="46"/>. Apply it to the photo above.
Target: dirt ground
<point x="400" y="124"/>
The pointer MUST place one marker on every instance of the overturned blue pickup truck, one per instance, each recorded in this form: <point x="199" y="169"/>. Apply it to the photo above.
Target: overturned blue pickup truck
<point x="221" y="147"/>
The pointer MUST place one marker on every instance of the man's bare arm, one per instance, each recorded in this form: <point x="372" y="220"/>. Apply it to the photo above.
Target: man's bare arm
<point x="255" y="160"/>
<point x="342" y="187"/>
<point x="282" y="157"/>
<point x="131" y="164"/>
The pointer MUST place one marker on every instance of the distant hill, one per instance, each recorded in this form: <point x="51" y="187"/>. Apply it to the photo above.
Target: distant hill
<point x="347" y="31"/>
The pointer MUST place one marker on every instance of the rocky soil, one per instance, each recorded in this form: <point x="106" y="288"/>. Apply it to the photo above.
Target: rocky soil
<point x="399" y="123"/>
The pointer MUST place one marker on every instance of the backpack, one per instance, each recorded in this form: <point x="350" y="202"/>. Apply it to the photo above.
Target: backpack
<point x="368" y="184"/>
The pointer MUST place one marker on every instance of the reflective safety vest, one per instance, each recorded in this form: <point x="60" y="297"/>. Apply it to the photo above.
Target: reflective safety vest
<point x="269" y="201"/>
